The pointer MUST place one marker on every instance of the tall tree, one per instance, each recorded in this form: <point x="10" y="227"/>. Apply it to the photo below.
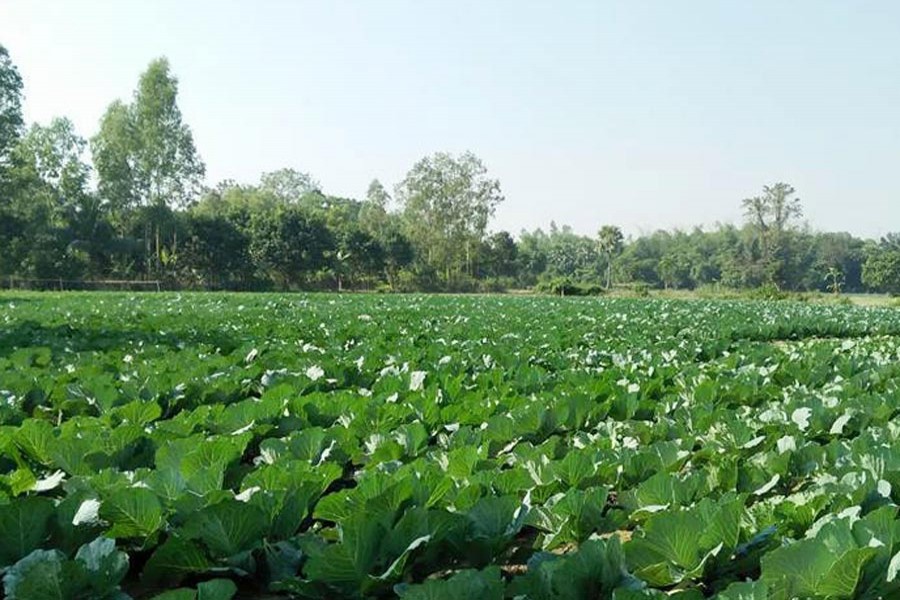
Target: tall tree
<point x="170" y="169"/>
<point x="373" y="215"/>
<point x="114" y="154"/>
<point x="145" y="156"/>
<point x="51" y="203"/>
<point x="673" y="269"/>
<point x="11" y="122"/>
<point x="610" y="240"/>
<point x="51" y="157"/>
<point x="775" y="209"/>
<point x="447" y="202"/>
<point x="288" y="185"/>
<point x="771" y="215"/>
<point x="10" y="102"/>
<point x="571" y="255"/>
<point x="398" y="253"/>
<point x="377" y="195"/>
<point x="532" y="256"/>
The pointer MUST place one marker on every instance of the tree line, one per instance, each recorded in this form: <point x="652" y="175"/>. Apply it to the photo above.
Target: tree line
<point x="138" y="209"/>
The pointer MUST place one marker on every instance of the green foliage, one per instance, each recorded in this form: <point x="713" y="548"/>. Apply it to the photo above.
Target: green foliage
<point x="768" y="292"/>
<point x="360" y="446"/>
<point x="596" y="570"/>
<point x="564" y="286"/>
<point x="132" y="513"/>
<point x="289" y="186"/>
<point x="771" y="216"/>
<point x="846" y="557"/>
<point x="676" y="545"/>
<point x="148" y="218"/>
<point x="881" y="271"/>
<point x="144" y="153"/>
<point x="446" y="203"/>
<point x="289" y="244"/>
<point x="214" y="589"/>
<point x="24" y="527"/>
<point x="466" y="584"/>
<point x="95" y="573"/>
<point x="11" y="121"/>
<point x="611" y="241"/>
<point x="216" y="253"/>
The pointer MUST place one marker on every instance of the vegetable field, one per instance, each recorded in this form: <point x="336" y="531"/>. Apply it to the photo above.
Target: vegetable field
<point x="446" y="448"/>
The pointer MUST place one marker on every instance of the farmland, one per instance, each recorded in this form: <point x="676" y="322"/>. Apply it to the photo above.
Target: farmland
<point x="444" y="447"/>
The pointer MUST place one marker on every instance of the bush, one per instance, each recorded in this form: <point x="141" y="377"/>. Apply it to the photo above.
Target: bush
<point x="461" y="284"/>
<point x="409" y="281"/>
<point x="425" y="280"/>
<point x="768" y="291"/>
<point x="718" y="291"/>
<point x="641" y="289"/>
<point x="563" y="286"/>
<point x="496" y="285"/>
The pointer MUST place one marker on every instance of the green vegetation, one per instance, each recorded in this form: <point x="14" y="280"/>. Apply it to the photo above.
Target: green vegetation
<point x="138" y="210"/>
<point x="363" y="446"/>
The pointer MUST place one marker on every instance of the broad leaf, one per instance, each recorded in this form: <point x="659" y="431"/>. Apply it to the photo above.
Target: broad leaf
<point x="132" y="512"/>
<point x="42" y="575"/>
<point x="227" y="528"/>
<point x="24" y="526"/>
<point x="465" y="585"/>
<point x="216" y="589"/>
<point x="175" y="559"/>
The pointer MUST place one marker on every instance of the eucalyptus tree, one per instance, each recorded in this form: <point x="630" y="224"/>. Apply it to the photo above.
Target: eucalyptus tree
<point x="113" y="152"/>
<point x="446" y="203"/>
<point x="145" y="157"/>
<point x="11" y="122"/>
<point x="374" y="217"/>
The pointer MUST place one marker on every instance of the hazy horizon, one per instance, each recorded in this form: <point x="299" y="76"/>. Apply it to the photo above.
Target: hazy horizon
<point x="644" y="115"/>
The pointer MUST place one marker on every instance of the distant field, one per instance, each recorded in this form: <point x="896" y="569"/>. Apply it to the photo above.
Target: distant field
<point x="369" y="446"/>
<point x="870" y="300"/>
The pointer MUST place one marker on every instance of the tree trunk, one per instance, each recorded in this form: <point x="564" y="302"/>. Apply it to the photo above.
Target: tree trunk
<point x="608" y="272"/>
<point x="468" y="260"/>
<point x="148" y="250"/>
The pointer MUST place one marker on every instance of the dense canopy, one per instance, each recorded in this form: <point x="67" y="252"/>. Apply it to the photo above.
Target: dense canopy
<point x="135" y="207"/>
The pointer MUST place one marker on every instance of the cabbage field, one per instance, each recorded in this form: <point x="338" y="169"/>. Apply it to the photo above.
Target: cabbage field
<point x="217" y="446"/>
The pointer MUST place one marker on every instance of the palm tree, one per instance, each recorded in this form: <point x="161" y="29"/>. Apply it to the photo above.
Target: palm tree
<point x="610" y="241"/>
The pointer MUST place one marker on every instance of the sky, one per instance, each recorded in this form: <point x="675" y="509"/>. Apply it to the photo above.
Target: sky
<point x="643" y="114"/>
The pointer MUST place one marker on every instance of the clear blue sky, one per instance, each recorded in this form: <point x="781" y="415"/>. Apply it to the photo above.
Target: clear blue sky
<point x="642" y="114"/>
